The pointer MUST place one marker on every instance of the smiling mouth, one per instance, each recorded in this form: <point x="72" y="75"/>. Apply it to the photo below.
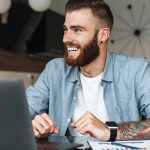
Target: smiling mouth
<point x="70" y="49"/>
<point x="73" y="52"/>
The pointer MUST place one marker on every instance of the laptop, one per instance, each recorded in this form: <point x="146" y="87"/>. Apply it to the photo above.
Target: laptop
<point x="15" y="122"/>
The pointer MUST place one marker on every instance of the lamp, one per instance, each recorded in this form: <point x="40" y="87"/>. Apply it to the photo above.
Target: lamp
<point x="4" y="6"/>
<point x="39" y="5"/>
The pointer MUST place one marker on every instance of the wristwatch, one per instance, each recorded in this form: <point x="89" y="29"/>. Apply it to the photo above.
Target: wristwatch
<point x="112" y="126"/>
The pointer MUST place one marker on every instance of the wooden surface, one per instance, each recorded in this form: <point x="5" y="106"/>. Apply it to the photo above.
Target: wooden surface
<point x="13" y="61"/>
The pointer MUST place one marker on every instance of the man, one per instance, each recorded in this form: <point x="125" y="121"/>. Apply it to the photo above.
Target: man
<point x="92" y="91"/>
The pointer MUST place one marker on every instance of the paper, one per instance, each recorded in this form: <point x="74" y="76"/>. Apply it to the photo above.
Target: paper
<point x="120" y="145"/>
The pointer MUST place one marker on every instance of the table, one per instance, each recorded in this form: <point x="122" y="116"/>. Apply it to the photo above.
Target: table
<point x="63" y="142"/>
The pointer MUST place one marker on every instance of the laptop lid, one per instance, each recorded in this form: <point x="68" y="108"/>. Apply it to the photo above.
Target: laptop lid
<point x="15" y="123"/>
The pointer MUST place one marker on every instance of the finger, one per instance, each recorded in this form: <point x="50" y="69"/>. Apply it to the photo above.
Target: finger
<point x="84" y="124"/>
<point x="38" y="127"/>
<point x="73" y="124"/>
<point x="53" y="128"/>
<point x="42" y="122"/>
<point x="94" y="130"/>
<point x="86" y="129"/>
<point x="81" y="120"/>
<point x="36" y="133"/>
<point x="56" y="130"/>
<point x="48" y="119"/>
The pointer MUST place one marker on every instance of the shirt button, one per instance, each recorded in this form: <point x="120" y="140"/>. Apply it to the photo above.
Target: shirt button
<point x="68" y="120"/>
<point x="78" y="83"/>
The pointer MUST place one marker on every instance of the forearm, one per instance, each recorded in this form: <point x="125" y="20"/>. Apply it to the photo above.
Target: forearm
<point x="134" y="130"/>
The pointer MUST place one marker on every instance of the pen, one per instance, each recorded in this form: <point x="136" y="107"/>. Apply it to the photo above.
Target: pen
<point x="124" y="145"/>
<point x="129" y="142"/>
<point x="122" y="142"/>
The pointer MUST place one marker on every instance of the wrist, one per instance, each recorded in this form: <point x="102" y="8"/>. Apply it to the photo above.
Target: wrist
<point x="107" y="137"/>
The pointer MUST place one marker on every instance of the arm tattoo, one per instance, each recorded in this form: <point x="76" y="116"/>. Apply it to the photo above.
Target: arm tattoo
<point x="134" y="130"/>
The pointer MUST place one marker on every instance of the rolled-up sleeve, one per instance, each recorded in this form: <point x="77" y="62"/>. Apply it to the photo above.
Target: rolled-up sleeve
<point x="38" y="94"/>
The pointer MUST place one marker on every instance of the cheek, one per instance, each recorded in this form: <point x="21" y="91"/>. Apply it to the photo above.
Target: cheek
<point x="84" y="42"/>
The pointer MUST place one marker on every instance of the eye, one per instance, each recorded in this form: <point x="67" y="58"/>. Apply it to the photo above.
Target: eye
<point x="65" y="29"/>
<point x="77" y="30"/>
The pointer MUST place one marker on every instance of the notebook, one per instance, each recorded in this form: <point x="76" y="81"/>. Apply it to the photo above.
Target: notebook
<point x="15" y="123"/>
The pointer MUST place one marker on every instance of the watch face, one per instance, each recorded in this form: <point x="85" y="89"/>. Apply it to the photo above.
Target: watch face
<point x="111" y="124"/>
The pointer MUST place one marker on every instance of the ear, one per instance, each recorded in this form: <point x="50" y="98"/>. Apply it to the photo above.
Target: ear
<point x="103" y="35"/>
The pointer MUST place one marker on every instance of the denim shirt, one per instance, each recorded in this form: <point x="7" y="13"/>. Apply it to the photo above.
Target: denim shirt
<point x="126" y="83"/>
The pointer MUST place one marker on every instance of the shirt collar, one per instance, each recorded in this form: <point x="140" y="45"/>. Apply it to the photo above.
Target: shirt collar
<point x="108" y="70"/>
<point x="73" y="73"/>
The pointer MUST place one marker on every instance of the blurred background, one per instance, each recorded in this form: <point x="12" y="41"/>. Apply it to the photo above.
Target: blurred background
<point x="31" y="34"/>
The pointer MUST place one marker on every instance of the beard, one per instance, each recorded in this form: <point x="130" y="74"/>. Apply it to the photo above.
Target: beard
<point x="87" y="54"/>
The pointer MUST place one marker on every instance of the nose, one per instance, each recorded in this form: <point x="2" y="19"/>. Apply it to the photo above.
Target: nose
<point x="67" y="37"/>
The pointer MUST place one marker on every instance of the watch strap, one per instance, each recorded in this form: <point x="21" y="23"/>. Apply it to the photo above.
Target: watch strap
<point x="113" y="130"/>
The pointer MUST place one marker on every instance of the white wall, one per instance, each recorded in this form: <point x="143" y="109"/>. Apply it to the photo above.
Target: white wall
<point x="131" y="16"/>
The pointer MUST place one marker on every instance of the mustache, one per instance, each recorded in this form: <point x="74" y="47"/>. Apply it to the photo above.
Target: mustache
<point x="71" y="44"/>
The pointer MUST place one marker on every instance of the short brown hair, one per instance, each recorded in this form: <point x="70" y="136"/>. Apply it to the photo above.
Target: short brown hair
<point x="99" y="8"/>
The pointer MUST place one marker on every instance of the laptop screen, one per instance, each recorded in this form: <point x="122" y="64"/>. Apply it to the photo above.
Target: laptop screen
<point x="15" y="122"/>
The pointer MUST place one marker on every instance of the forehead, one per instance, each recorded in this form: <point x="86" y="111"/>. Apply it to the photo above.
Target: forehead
<point x="82" y="17"/>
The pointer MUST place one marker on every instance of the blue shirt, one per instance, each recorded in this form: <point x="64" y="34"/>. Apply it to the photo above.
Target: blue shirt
<point x="126" y="83"/>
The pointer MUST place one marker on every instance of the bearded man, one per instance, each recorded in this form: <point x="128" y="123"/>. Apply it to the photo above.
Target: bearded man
<point x="91" y="91"/>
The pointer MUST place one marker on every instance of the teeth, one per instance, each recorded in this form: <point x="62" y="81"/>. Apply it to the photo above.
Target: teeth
<point x="72" y="49"/>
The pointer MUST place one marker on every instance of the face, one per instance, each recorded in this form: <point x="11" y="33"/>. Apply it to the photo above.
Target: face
<point x="80" y="38"/>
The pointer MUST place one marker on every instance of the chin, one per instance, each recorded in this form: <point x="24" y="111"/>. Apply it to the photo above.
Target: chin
<point x="72" y="58"/>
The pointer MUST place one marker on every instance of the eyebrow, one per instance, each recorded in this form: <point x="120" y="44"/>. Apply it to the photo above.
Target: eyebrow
<point x="74" y="26"/>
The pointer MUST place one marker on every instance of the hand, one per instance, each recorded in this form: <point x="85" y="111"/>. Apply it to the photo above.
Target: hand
<point x="43" y="125"/>
<point x="88" y="124"/>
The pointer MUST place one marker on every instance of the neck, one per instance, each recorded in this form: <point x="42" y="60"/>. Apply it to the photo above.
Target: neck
<point x="95" y="67"/>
